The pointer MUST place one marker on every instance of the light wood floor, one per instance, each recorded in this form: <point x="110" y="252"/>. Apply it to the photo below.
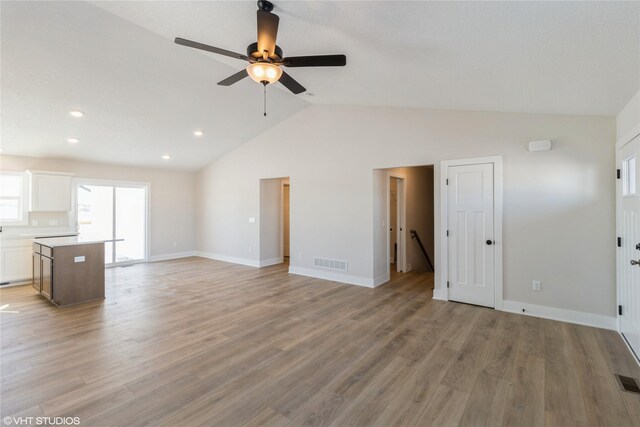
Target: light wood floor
<point x="196" y="341"/>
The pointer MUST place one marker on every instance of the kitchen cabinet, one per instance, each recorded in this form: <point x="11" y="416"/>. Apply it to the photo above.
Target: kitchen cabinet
<point x="37" y="271"/>
<point x="15" y="260"/>
<point x="49" y="191"/>
<point x="67" y="271"/>
<point x="46" y="276"/>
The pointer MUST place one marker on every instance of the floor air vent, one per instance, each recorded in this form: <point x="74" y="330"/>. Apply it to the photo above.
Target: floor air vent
<point x="331" y="264"/>
<point x="628" y="384"/>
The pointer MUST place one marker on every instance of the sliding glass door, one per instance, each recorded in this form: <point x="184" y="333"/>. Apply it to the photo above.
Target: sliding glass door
<point x="113" y="210"/>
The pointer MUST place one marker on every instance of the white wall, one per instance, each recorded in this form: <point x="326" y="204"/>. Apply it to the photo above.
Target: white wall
<point x="558" y="205"/>
<point x="380" y="226"/>
<point x="628" y="120"/>
<point x="172" y="197"/>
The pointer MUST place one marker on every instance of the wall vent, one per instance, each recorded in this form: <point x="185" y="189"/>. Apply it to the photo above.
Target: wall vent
<point x="628" y="384"/>
<point x="331" y="264"/>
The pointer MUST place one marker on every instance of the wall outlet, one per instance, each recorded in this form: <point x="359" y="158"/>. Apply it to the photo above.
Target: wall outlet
<point x="536" y="285"/>
<point x="250" y="249"/>
<point x="175" y="243"/>
<point x="252" y="220"/>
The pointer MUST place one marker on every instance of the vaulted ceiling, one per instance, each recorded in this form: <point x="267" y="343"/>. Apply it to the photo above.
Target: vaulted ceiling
<point x="143" y="96"/>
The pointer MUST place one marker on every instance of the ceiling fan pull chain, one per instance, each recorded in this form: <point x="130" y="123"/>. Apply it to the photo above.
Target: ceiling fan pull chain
<point x="265" y="99"/>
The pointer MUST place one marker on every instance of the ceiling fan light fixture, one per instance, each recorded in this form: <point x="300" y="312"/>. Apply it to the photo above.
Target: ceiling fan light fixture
<point x="264" y="72"/>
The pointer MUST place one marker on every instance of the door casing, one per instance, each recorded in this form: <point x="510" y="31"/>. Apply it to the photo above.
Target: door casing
<point x="442" y="266"/>
<point x="635" y="133"/>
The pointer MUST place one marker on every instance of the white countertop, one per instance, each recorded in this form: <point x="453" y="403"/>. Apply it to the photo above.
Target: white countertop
<point x="47" y="235"/>
<point x="54" y="242"/>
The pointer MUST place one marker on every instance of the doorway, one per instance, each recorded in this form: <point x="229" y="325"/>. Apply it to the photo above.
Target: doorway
<point x="275" y="236"/>
<point x="628" y="253"/>
<point x="471" y="237"/>
<point x="114" y="210"/>
<point x="404" y="198"/>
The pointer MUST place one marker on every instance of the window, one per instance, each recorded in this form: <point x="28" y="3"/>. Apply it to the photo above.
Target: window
<point x="13" y="198"/>
<point x="629" y="176"/>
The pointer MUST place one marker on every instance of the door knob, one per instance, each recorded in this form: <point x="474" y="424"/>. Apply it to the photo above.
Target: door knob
<point x="634" y="262"/>
<point x="489" y="242"/>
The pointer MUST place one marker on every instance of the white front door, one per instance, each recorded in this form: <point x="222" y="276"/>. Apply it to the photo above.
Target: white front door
<point x="628" y="188"/>
<point x="470" y="225"/>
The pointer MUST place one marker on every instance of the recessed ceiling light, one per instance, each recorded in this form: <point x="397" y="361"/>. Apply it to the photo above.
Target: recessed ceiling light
<point x="73" y="140"/>
<point x="166" y="157"/>
<point x="198" y="132"/>
<point x="76" y="113"/>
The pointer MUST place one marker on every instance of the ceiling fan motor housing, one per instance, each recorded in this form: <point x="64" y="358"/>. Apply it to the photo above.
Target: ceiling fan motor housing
<point x="265" y="5"/>
<point x="252" y="52"/>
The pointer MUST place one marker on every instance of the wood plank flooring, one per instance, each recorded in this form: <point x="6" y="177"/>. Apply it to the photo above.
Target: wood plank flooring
<point x="201" y="342"/>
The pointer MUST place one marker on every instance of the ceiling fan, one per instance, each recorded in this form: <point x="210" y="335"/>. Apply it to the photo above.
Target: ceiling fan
<point x="265" y="57"/>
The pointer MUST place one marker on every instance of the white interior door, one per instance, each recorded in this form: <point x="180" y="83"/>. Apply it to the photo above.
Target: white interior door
<point x="629" y="252"/>
<point x="401" y="261"/>
<point x="470" y="224"/>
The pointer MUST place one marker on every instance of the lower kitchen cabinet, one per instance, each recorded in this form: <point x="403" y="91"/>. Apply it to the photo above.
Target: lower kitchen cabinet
<point x="46" y="268"/>
<point x="68" y="275"/>
<point x="37" y="271"/>
<point x="15" y="260"/>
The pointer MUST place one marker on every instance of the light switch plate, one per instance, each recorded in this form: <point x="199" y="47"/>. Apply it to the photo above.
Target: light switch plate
<point x="252" y="220"/>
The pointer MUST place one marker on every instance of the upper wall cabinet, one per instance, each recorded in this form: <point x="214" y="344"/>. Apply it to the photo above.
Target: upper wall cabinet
<point x="49" y="191"/>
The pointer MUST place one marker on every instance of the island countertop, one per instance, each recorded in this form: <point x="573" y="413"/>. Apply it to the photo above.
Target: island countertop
<point x="55" y="242"/>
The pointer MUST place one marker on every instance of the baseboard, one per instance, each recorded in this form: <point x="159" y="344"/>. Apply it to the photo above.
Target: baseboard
<point x="231" y="259"/>
<point x="272" y="261"/>
<point x="175" y="255"/>
<point x="334" y="277"/>
<point x="561" y="314"/>
<point x="636" y="357"/>
<point x="16" y="283"/>
<point x="383" y="278"/>
<point x="439" y="294"/>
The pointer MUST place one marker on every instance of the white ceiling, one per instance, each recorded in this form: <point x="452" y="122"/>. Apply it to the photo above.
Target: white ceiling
<point x="143" y="95"/>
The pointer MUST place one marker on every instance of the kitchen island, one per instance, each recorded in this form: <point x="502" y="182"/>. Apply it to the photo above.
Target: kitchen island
<point x="69" y="270"/>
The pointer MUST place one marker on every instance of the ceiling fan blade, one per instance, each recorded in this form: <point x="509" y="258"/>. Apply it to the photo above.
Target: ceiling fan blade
<point x="234" y="78"/>
<point x="315" y="61"/>
<point x="202" y="46"/>
<point x="267" y="31"/>
<point x="290" y="83"/>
